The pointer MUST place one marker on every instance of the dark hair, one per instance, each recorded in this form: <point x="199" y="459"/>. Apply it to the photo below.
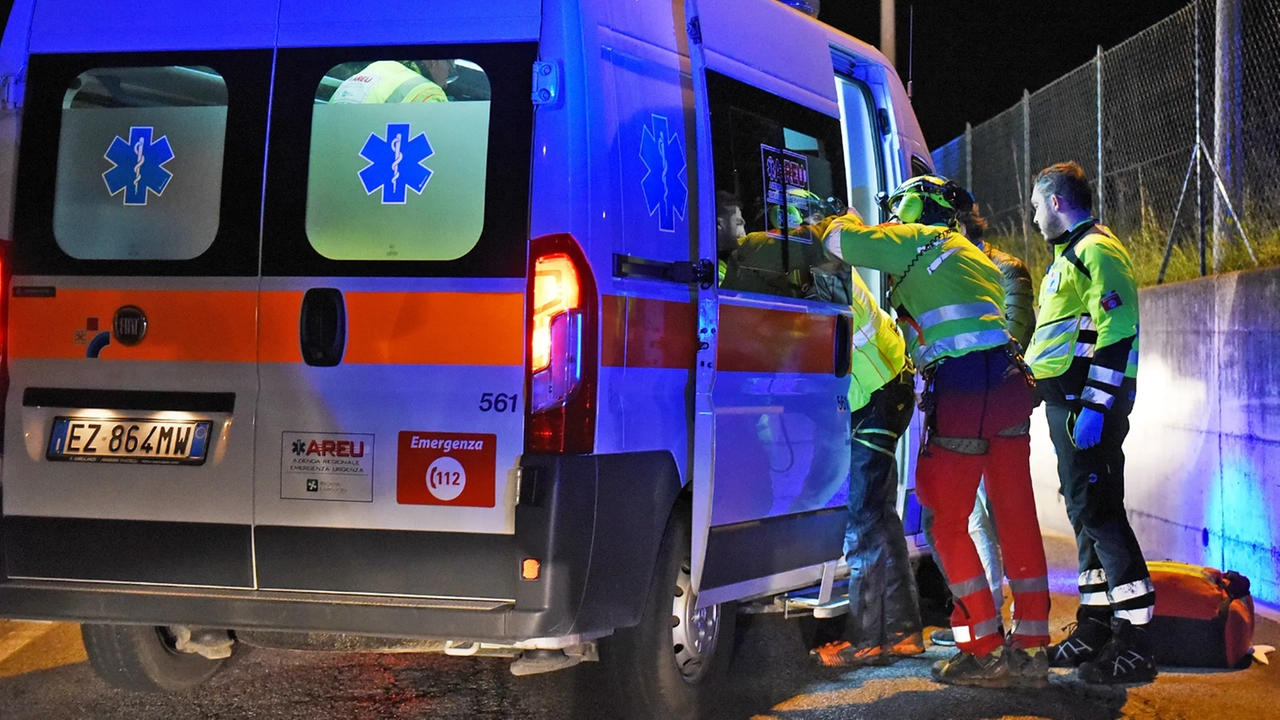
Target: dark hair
<point x="1067" y="181"/>
<point x="726" y="202"/>
<point x="973" y="224"/>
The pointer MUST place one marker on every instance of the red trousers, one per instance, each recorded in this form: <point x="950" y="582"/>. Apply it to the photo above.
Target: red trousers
<point x="982" y="396"/>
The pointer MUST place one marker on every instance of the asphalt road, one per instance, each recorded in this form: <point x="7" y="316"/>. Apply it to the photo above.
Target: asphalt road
<point x="44" y="676"/>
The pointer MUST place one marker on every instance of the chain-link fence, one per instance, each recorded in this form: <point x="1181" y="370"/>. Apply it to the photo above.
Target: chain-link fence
<point x="1187" y="114"/>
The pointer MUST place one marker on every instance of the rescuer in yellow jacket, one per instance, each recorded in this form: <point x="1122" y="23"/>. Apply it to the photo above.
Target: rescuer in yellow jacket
<point x="389" y="81"/>
<point x="1084" y="355"/>
<point x="884" y="613"/>
<point x="979" y="402"/>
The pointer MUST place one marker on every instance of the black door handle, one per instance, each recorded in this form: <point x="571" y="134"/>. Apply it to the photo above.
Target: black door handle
<point x="322" y="327"/>
<point x="842" y="356"/>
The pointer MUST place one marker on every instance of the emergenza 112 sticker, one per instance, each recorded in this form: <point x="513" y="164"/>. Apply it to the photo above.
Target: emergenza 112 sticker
<point x="435" y="468"/>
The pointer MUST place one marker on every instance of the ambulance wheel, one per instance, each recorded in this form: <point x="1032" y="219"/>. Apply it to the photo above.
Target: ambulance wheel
<point x="142" y="658"/>
<point x="674" y="663"/>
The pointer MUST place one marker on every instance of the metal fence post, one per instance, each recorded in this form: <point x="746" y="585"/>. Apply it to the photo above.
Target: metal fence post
<point x="1228" y="140"/>
<point x="968" y="157"/>
<point x="1102" y="198"/>
<point x="1026" y="175"/>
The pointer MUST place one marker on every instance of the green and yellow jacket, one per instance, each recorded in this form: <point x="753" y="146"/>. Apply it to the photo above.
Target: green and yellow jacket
<point x="944" y="286"/>
<point x="1085" y="347"/>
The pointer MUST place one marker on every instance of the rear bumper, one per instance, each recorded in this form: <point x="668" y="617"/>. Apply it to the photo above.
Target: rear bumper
<point x="592" y="522"/>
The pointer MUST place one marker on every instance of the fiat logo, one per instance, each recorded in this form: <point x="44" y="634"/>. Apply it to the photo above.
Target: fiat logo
<point x="129" y="325"/>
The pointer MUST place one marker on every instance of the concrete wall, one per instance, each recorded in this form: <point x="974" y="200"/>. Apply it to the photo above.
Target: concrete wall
<point x="1203" y="455"/>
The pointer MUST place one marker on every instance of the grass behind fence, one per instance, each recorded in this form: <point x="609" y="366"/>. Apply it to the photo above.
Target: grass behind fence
<point x="1147" y="251"/>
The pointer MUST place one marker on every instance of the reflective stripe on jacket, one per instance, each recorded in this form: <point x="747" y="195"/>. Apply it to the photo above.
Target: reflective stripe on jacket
<point x="1085" y="347"/>
<point x="950" y="289"/>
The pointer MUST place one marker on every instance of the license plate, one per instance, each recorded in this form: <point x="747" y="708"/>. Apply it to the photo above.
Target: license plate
<point x="127" y="440"/>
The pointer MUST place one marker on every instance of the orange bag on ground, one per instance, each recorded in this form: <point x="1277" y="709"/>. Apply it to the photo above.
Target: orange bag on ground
<point x="1203" y="616"/>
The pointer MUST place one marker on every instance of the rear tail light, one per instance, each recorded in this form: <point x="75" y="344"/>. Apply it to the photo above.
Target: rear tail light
<point x="562" y="330"/>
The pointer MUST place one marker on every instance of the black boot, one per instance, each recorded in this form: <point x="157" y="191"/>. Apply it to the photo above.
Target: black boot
<point x="1092" y="630"/>
<point x="1124" y="660"/>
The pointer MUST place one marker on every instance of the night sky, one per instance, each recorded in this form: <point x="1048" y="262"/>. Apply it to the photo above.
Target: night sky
<point x="974" y="58"/>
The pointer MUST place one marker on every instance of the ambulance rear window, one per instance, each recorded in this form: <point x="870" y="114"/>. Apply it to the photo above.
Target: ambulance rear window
<point x="139" y="173"/>
<point x="398" y="158"/>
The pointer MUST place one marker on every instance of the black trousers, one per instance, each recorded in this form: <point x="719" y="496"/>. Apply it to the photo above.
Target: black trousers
<point x="1093" y="487"/>
<point x="884" y="605"/>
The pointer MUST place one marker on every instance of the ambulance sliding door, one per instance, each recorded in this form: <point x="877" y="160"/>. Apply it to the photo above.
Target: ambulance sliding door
<point x="781" y="453"/>
<point x="392" y="319"/>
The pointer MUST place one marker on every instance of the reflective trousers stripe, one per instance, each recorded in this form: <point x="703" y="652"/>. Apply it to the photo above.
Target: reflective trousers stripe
<point x="970" y="586"/>
<point x="1096" y="599"/>
<point x="977" y="631"/>
<point x="1140" y="616"/>
<point x="1129" y="591"/>
<point x="1031" y="627"/>
<point x="1093" y="577"/>
<point x="1027" y="585"/>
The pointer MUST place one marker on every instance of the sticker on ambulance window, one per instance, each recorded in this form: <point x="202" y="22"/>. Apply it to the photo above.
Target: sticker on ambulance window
<point x="326" y="466"/>
<point x="436" y="468"/>
<point x="140" y="153"/>
<point x="786" y="190"/>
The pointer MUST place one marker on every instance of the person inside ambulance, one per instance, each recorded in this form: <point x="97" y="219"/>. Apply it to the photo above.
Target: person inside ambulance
<point x="884" y="612"/>
<point x="730" y="229"/>
<point x="1084" y="355"/>
<point x="761" y="265"/>
<point x="391" y="81"/>
<point x="977" y="401"/>
<point x="1021" y="315"/>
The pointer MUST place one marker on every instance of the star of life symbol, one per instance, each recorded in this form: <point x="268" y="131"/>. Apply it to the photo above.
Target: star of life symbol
<point x="665" y="192"/>
<point x="395" y="163"/>
<point x="137" y="165"/>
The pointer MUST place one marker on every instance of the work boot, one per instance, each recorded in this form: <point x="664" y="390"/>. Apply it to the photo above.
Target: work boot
<point x="905" y="645"/>
<point x="1125" y="659"/>
<point x="991" y="671"/>
<point x="1082" y="645"/>
<point x="845" y="654"/>
<point x="1029" y="668"/>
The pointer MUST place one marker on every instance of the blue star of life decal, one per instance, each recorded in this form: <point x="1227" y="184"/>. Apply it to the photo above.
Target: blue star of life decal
<point x="395" y="163"/>
<point x="665" y="192"/>
<point x="137" y="165"/>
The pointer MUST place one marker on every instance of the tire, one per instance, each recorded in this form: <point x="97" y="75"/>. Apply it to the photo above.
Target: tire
<point x="142" y="658"/>
<point x="674" y="663"/>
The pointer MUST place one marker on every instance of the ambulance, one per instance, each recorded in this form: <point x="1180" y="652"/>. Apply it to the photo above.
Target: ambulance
<point x="429" y="326"/>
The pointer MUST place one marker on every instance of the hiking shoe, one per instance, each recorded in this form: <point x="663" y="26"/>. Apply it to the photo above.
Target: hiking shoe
<point x="843" y="653"/>
<point x="991" y="671"/>
<point x="907" y="645"/>
<point x="1083" y="644"/>
<point x="1029" y="668"/>
<point x="945" y="637"/>
<point x="1124" y="660"/>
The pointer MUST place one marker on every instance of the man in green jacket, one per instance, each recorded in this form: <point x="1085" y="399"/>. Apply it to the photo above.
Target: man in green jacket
<point x="1084" y="355"/>
<point x="978" y="401"/>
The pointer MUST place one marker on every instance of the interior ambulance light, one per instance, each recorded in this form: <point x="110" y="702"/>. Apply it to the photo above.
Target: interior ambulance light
<point x="530" y="568"/>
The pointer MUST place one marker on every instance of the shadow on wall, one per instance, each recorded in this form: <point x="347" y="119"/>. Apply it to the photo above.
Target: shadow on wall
<point x="1203" y="455"/>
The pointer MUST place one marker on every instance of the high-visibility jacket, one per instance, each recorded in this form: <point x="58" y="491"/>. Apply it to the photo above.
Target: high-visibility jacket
<point x="387" y="81"/>
<point x="879" y="352"/>
<point x="1018" y="294"/>
<point x="948" y="288"/>
<point x="1085" y="347"/>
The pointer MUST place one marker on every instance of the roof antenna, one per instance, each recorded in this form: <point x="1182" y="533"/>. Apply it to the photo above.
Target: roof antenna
<point x="911" y="47"/>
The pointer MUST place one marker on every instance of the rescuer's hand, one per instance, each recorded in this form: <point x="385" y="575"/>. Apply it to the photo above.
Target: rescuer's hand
<point x="1088" y="428"/>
